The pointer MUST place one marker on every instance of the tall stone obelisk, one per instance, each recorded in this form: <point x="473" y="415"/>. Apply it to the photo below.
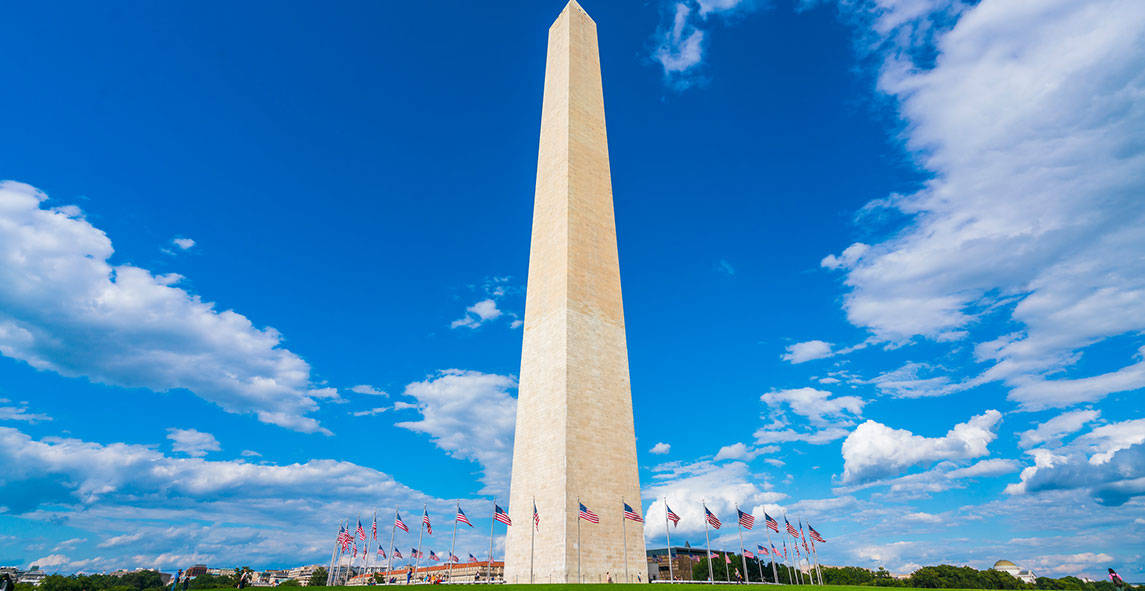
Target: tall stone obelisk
<point x="575" y="436"/>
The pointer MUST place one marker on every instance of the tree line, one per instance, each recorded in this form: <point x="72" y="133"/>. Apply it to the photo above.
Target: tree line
<point x="149" y="580"/>
<point x="943" y="576"/>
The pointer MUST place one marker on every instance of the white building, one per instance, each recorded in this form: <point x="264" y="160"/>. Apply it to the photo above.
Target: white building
<point x="1024" y="575"/>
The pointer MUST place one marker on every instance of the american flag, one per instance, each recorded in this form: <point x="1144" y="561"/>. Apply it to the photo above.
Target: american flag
<point x="454" y="558"/>
<point x="472" y="558"/>
<point x="762" y="550"/>
<point x="499" y="514"/>
<point x="355" y="550"/>
<point x="632" y="515"/>
<point x="587" y="515"/>
<point x="425" y="522"/>
<point x="791" y="528"/>
<point x="536" y="517"/>
<point x="814" y="535"/>
<point x="772" y="524"/>
<point x="361" y="532"/>
<point x="433" y="556"/>
<point x="374" y="527"/>
<point x="462" y="518"/>
<point x="397" y="553"/>
<point x="727" y="558"/>
<point x="675" y="519"/>
<point x="775" y="552"/>
<point x="713" y="555"/>
<point x="711" y="517"/>
<point x="381" y="553"/>
<point x="343" y="537"/>
<point x="746" y="519"/>
<point x="413" y="553"/>
<point x="399" y="523"/>
<point x="748" y="554"/>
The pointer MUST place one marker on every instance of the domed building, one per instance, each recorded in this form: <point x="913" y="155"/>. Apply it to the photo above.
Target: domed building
<point x="1024" y="575"/>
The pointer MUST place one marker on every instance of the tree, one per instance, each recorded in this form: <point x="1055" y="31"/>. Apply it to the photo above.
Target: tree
<point x="318" y="577"/>
<point x="293" y="583"/>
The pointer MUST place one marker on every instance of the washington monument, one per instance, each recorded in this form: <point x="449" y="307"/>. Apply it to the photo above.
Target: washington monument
<point x="575" y="437"/>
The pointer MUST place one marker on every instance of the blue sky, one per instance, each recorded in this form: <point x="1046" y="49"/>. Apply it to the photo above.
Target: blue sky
<point x="263" y="269"/>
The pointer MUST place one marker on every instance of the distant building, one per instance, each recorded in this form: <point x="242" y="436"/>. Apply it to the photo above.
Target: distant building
<point x="196" y="570"/>
<point x="1024" y="575"/>
<point x="33" y="577"/>
<point x="462" y="572"/>
<point x="683" y="558"/>
<point x="302" y="573"/>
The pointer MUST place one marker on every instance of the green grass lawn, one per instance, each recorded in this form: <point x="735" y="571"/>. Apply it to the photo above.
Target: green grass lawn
<point x="664" y="586"/>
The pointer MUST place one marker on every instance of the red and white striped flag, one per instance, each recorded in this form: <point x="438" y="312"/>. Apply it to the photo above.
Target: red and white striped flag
<point x="499" y="514"/>
<point x="814" y="535"/>
<point x="711" y="517"/>
<point x="631" y="515"/>
<point x="747" y="520"/>
<point x="791" y="528"/>
<point x="399" y="523"/>
<point x="748" y="554"/>
<point x="425" y="522"/>
<point x="675" y="519"/>
<point x="772" y="524"/>
<point x="587" y="515"/>
<point x="361" y="531"/>
<point x="462" y="518"/>
<point x="536" y="517"/>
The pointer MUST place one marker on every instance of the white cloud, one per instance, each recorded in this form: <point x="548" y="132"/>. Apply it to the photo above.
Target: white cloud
<point x="1029" y="121"/>
<point x="828" y="417"/>
<point x="61" y="294"/>
<point x="725" y="267"/>
<point x="679" y="40"/>
<point x="909" y="381"/>
<point x="1054" y="429"/>
<point x="660" y="448"/>
<point x="369" y="412"/>
<point x="806" y="351"/>
<point x="192" y="442"/>
<point x="874" y="450"/>
<point x="689" y="486"/>
<point x="183" y="243"/>
<point x="368" y="390"/>
<point x="250" y="453"/>
<point x="740" y="451"/>
<point x="20" y="413"/>
<point x="470" y="415"/>
<point x="478" y="314"/>
<point x="143" y="508"/>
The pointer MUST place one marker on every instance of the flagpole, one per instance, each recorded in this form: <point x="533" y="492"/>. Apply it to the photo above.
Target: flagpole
<point x="727" y="571"/>
<point x="759" y="563"/>
<point x="452" y="543"/>
<point x="334" y="555"/>
<point x="374" y="535"/>
<point x="624" y="533"/>
<point x="816" y="553"/>
<point x="420" y="528"/>
<point x="743" y="557"/>
<point x="774" y="573"/>
<point x="389" y="553"/>
<point x="708" y="539"/>
<point x="787" y="561"/>
<point x="668" y="535"/>
<point x="579" y="575"/>
<point x="489" y="566"/>
<point x="532" y="539"/>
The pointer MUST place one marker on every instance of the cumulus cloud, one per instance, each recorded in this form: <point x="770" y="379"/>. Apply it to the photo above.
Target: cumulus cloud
<point x="478" y="314"/>
<point x="1028" y="118"/>
<point x="828" y="417"/>
<point x="470" y="415"/>
<point x="874" y="450"/>
<point x="59" y="293"/>
<point x="660" y="448"/>
<point x="183" y="243"/>
<point x="1109" y="461"/>
<point x="806" y="351"/>
<point x="688" y="486"/>
<point x="740" y="451"/>
<point x="144" y="508"/>
<point x="192" y="442"/>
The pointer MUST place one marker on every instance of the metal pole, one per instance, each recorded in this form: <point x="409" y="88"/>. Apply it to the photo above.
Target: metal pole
<point x="334" y="556"/>
<point x="774" y="573"/>
<point x="668" y="536"/>
<point x="759" y="563"/>
<point x="420" y="528"/>
<point x="579" y="574"/>
<point x="390" y="552"/>
<point x="624" y="533"/>
<point x="817" y="567"/>
<point x="489" y="566"/>
<point x="708" y="539"/>
<point x="742" y="556"/>
<point x="452" y="542"/>
<point x="532" y="539"/>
